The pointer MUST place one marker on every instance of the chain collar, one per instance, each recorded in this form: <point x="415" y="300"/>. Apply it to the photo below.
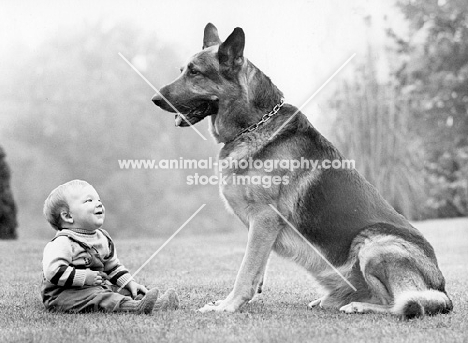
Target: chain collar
<point x="262" y="121"/>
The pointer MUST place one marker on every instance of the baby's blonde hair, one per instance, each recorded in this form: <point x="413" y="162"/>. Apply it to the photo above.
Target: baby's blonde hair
<point x="56" y="202"/>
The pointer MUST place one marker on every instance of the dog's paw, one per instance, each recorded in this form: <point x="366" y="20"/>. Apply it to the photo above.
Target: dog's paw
<point x="258" y="298"/>
<point x="211" y="307"/>
<point x="353" y="307"/>
<point x="217" y="306"/>
<point x="316" y="303"/>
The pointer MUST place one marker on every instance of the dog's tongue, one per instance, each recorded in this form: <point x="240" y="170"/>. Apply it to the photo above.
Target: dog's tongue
<point x="178" y="120"/>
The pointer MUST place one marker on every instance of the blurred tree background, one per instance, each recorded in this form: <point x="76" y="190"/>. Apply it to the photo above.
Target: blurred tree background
<point x="76" y="108"/>
<point x="435" y="76"/>
<point x="408" y="131"/>
<point x="73" y="108"/>
<point x="8" y="222"/>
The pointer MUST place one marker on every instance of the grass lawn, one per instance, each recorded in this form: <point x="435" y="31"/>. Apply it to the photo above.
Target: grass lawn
<point x="203" y="269"/>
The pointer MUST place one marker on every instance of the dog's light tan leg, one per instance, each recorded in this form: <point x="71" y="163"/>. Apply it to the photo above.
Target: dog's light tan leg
<point x="260" y="286"/>
<point x="262" y="234"/>
<point x="358" y="307"/>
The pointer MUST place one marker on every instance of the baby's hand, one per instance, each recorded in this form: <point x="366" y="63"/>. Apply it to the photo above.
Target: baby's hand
<point x="134" y="288"/>
<point x="93" y="278"/>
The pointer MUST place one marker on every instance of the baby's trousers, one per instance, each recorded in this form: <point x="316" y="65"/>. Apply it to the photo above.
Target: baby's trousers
<point x="85" y="299"/>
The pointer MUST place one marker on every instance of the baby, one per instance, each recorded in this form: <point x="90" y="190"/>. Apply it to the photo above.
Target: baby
<point x="81" y="271"/>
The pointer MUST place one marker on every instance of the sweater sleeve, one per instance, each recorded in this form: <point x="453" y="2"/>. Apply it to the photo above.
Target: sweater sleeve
<point x="118" y="274"/>
<point x="57" y="264"/>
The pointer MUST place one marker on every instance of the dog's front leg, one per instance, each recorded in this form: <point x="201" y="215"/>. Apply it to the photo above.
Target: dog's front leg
<point x="262" y="235"/>
<point x="259" y="290"/>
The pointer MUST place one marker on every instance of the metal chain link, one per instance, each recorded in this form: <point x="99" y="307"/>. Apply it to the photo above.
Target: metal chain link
<point x="264" y="119"/>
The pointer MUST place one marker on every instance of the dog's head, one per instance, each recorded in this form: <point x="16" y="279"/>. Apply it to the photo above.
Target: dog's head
<point x="207" y="77"/>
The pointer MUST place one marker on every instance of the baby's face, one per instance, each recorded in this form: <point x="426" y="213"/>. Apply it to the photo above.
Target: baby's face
<point x="86" y="208"/>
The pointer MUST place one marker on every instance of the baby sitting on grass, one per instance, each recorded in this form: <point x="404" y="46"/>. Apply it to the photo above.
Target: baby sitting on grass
<point x="81" y="271"/>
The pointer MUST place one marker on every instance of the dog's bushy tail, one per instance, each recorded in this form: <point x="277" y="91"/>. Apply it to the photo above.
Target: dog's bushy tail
<point x="411" y="304"/>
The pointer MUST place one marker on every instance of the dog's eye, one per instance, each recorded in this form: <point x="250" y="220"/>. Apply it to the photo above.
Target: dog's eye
<point x="193" y="71"/>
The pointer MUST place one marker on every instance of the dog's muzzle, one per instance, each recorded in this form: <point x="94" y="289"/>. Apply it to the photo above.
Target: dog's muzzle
<point x="193" y="111"/>
<point x="157" y="99"/>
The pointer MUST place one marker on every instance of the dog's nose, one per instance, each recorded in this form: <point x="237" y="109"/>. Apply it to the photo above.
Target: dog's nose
<point x="157" y="99"/>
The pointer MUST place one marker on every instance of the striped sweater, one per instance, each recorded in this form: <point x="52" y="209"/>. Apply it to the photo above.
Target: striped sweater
<point x="66" y="263"/>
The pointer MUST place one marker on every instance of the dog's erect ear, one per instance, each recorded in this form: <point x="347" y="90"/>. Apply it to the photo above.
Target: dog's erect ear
<point x="210" y="36"/>
<point x="231" y="52"/>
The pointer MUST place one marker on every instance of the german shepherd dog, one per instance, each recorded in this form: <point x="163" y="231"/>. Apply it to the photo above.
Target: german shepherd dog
<point x="391" y="266"/>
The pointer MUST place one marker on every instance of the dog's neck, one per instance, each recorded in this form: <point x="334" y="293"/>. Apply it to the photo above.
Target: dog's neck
<point x="255" y="96"/>
<point x="262" y="94"/>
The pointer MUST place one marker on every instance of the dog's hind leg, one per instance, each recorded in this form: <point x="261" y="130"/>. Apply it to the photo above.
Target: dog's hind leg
<point x="382" y="286"/>
<point x="381" y="299"/>
<point x="401" y="278"/>
<point x="375" y="269"/>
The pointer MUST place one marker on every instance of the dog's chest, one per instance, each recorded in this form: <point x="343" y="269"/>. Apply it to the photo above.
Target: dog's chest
<point x="247" y="187"/>
<point x="246" y="193"/>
